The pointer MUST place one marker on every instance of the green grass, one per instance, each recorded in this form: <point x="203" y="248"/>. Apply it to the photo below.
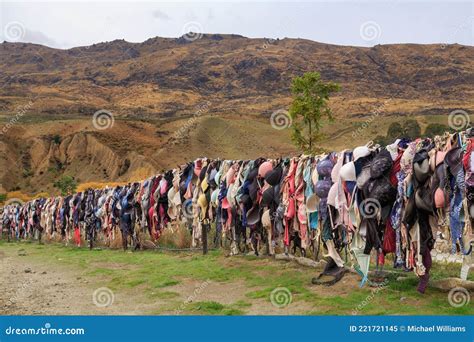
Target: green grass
<point x="214" y="308"/>
<point x="154" y="275"/>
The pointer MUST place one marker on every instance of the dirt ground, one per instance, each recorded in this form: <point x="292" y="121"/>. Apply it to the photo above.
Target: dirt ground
<point x="53" y="280"/>
<point x="31" y="287"/>
<point x="34" y="287"/>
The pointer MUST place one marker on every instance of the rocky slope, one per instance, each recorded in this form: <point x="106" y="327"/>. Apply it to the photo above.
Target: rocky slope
<point x="168" y="77"/>
<point x="174" y="100"/>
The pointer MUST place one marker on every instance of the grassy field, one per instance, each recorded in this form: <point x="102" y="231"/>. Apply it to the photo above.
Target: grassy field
<point x="220" y="285"/>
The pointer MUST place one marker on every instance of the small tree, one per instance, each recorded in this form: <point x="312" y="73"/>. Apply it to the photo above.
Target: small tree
<point x="309" y="107"/>
<point x="394" y="131"/>
<point x="412" y="129"/>
<point x="66" y="184"/>
<point x="436" y="129"/>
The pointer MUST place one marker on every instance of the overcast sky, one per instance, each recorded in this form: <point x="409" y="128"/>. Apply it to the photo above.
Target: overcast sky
<point x="65" y="24"/>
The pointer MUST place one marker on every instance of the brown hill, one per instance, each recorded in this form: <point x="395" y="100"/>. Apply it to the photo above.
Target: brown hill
<point x="173" y="100"/>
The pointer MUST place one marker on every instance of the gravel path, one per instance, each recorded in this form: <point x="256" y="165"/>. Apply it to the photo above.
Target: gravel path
<point x="29" y="287"/>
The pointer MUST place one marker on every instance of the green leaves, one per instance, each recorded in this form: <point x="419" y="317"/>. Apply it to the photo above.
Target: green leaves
<point x="308" y="109"/>
<point x="66" y="184"/>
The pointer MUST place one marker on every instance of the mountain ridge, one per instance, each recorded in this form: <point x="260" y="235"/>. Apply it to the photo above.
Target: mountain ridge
<point x="221" y="89"/>
<point x="219" y="36"/>
<point x="232" y="67"/>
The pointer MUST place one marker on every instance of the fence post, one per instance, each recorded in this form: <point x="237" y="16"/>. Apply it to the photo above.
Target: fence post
<point x="204" y="237"/>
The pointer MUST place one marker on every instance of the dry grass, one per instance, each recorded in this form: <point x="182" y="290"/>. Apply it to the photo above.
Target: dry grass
<point x="98" y="185"/>
<point x="116" y="243"/>
<point x="176" y="237"/>
<point x="18" y="195"/>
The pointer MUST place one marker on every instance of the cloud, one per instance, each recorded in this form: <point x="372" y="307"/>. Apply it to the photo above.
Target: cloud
<point x="39" y="37"/>
<point x="15" y="31"/>
<point x="160" y="15"/>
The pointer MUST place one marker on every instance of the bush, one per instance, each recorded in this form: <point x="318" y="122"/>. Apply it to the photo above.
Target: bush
<point x="57" y="139"/>
<point x="411" y="129"/>
<point x="394" y="131"/>
<point x="436" y="129"/>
